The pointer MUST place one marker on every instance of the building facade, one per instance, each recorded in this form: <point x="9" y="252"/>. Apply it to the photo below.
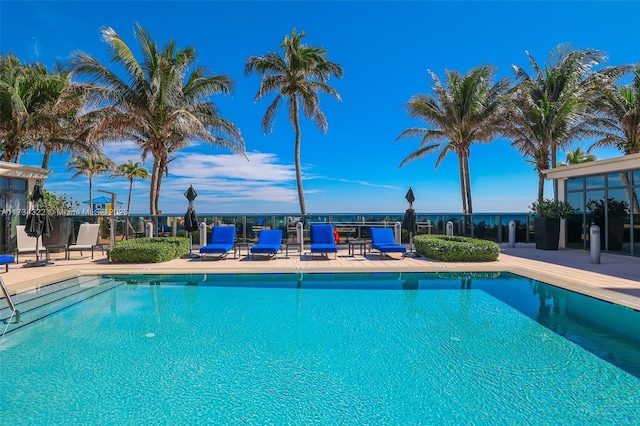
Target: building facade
<point x="16" y="182"/>
<point x="606" y="194"/>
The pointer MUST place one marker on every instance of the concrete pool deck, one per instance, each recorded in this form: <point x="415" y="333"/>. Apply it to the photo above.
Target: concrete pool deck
<point x="616" y="279"/>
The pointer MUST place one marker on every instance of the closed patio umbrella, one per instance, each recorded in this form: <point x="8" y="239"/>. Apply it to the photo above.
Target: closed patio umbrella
<point x="38" y="223"/>
<point x="190" y="218"/>
<point x="410" y="222"/>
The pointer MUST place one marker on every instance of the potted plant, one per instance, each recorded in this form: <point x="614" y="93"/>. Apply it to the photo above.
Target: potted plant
<point x="548" y="214"/>
<point x="616" y="211"/>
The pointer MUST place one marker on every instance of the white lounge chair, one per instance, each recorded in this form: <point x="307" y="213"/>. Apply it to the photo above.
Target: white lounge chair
<point x="26" y="244"/>
<point x="87" y="240"/>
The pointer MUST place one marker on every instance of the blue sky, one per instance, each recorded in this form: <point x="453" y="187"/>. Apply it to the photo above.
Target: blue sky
<point x="385" y="49"/>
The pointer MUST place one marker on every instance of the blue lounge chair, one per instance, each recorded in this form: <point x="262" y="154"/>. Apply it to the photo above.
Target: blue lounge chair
<point x="323" y="240"/>
<point x="269" y="242"/>
<point x="221" y="242"/>
<point x="383" y="241"/>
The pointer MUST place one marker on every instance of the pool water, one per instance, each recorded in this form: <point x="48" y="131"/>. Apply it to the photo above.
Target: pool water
<point x="326" y="349"/>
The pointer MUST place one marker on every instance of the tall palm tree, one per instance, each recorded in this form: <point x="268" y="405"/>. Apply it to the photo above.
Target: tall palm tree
<point x="578" y="156"/>
<point x="131" y="171"/>
<point x="550" y="109"/>
<point x="23" y="91"/>
<point x="156" y="103"/>
<point x="298" y="76"/>
<point x="39" y="109"/>
<point x="461" y="113"/>
<point x="618" y="109"/>
<point x="60" y="125"/>
<point x="90" y="167"/>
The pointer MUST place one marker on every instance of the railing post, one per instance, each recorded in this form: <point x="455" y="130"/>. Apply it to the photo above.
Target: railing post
<point x="398" y="232"/>
<point x="594" y="241"/>
<point x="449" y="230"/>
<point x="148" y="229"/>
<point x="512" y="233"/>
<point x="203" y="234"/>
<point x="300" y="235"/>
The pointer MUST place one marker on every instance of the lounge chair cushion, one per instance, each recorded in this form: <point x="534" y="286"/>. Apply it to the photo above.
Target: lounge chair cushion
<point x="6" y="260"/>
<point x="382" y="240"/>
<point x="222" y="240"/>
<point x="269" y="242"/>
<point x="322" y="239"/>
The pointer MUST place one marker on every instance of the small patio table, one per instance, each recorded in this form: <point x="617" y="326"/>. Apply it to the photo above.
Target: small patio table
<point x="359" y="243"/>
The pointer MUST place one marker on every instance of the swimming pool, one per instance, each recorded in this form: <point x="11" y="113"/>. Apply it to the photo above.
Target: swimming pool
<point x="397" y="348"/>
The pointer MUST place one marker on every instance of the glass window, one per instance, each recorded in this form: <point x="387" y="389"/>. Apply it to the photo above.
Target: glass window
<point x="4" y="184"/>
<point x="575" y="184"/>
<point x="636" y="177"/>
<point x="19" y="185"/>
<point x="595" y="203"/>
<point x="619" y="179"/>
<point x="618" y="234"/>
<point x="595" y="182"/>
<point x="576" y="199"/>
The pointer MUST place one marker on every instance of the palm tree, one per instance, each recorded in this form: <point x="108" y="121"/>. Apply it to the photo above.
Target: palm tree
<point x="461" y="113"/>
<point x="299" y="76"/>
<point x="23" y="90"/>
<point x="550" y="109"/>
<point x="156" y="104"/>
<point x="90" y="167"/>
<point x="39" y="109"/>
<point x="618" y="109"/>
<point x="60" y="125"/>
<point x="131" y="171"/>
<point x="578" y="156"/>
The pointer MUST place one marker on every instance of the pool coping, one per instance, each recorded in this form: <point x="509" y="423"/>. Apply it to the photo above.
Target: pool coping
<point x="615" y="280"/>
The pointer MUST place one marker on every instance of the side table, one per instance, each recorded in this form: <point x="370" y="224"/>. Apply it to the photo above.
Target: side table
<point x="358" y="243"/>
<point x="237" y="248"/>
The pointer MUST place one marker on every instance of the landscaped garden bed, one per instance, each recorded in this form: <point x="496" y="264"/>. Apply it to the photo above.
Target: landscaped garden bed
<point x="149" y="250"/>
<point x="456" y="249"/>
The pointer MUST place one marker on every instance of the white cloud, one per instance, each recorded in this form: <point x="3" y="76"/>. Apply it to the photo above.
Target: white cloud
<point x="121" y="152"/>
<point x="359" y="182"/>
<point x="260" y="167"/>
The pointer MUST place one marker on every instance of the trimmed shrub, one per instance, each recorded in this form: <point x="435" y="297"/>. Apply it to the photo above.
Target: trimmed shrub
<point x="456" y="249"/>
<point x="149" y="250"/>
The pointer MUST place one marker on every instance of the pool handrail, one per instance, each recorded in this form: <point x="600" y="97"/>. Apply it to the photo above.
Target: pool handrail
<point x="7" y="297"/>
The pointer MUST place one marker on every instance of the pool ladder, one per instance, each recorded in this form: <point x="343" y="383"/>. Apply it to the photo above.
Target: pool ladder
<point x="15" y="316"/>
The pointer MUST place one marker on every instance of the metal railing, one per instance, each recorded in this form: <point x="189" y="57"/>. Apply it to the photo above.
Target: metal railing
<point x="490" y="226"/>
<point x="15" y="315"/>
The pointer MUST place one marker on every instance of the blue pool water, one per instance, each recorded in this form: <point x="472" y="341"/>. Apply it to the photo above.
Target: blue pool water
<point x="326" y="349"/>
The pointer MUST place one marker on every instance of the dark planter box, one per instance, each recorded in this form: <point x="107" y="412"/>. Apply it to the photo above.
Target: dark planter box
<point x="547" y="232"/>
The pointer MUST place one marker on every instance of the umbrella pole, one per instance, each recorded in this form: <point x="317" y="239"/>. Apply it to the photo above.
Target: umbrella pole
<point x="412" y="252"/>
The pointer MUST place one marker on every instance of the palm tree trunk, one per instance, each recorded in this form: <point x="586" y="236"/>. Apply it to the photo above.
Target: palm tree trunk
<point x="463" y="192"/>
<point x="554" y="154"/>
<point x="163" y="167"/>
<point x="156" y="201"/>
<point x="296" y="124"/>
<point x="45" y="158"/>
<point x="153" y="187"/>
<point x="468" y="184"/>
<point x="90" y="195"/>
<point x="129" y="199"/>
<point x="540" y="186"/>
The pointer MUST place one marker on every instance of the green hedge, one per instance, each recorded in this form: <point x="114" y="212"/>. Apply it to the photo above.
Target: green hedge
<point x="149" y="250"/>
<point x="456" y="249"/>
